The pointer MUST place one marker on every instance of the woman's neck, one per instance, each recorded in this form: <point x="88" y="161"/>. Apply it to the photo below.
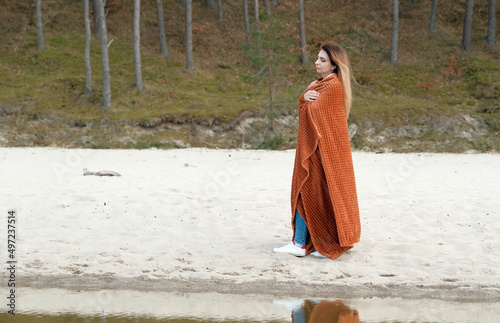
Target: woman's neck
<point x="327" y="76"/>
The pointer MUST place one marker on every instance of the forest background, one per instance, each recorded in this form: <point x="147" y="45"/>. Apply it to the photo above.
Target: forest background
<point x="438" y="97"/>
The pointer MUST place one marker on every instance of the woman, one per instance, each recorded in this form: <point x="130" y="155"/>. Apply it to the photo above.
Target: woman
<point x="325" y="214"/>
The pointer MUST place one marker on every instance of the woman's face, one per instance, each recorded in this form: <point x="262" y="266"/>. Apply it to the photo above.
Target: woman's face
<point x="323" y="64"/>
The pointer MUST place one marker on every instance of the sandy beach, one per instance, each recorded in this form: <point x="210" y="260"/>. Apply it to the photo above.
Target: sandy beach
<point x="199" y="220"/>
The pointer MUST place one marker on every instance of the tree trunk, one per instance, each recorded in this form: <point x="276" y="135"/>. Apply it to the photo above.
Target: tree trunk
<point x="432" y="23"/>
<point x="39" y="24"/>
<point x="219" y="10"/>
<point x="161" y="29"/>
<point x="106" y="78"/>
<point x="257" y="31"/>
<point x="466" y="38"/>
<point x="490" y="35"/>
<point x="97" y="28"/>
<point x="271" y="90"/>
<point x="302" y="32"/>
<point x="88" y="35"/>
<point x="189" y="35"/>
<point x="247" y="22"/>
<point x="256" y="12"/>
<point x="268" y="7"/>
<point x="210" y="4"/>
<point x="137" y="45"/>
<point x="395" y="28"/>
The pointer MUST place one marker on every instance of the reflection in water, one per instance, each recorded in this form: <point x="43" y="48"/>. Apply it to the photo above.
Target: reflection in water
<point x="131" y="306"/>
<point x="301" y="311"/>
<point x="317" y="311"/>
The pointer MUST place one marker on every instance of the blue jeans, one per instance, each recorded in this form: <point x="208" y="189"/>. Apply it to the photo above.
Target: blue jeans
<point x="299" y="316"/>
<point x="301" y="230"/>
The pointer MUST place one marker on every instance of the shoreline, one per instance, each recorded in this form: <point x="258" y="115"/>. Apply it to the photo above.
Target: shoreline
<point x="460" y="293"/>
<point x="50" y="303"/>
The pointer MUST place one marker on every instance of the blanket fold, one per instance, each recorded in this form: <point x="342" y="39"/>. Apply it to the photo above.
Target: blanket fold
<point x="323" y="183"/>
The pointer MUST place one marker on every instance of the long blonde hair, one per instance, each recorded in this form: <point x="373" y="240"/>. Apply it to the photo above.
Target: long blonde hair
<point x="338" y="57"/>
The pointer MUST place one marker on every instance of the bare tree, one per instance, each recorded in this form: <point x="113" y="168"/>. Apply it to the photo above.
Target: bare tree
<point x="97" y="28"/>
<point x="302" y="34"/>
<point x="432" y="23"/>
<point x="210" y="4"/>
<point x="466" y="38"/>
<point x="161" y="29"/>
<point x="88" y="35"/>
<point x="137" y="45"/>
<point x="39" y="24"/>
<point x="256" y="13"/>
<point x="247" y="21"/>
<point x="219" y="10"/>
<point x="268" y="7"/>
<point x="257" y="31"/>
<point x="271" y="89"/>
<point x="189" y="35"/>
<point x="106" y="75"/>
<point x="490" y="35"/>
<point x="395" y="28"/>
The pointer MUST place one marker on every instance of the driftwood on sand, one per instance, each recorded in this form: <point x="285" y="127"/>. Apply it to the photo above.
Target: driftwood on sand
<point x="100" y="173"/>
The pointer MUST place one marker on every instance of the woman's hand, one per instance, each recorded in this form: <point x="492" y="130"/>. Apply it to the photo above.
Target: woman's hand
<point x="311" y="95"/>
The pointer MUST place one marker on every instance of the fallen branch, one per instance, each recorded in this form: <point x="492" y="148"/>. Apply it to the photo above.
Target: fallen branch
<point x="100" y="173"/>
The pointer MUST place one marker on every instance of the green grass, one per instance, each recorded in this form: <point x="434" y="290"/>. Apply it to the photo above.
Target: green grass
<point x="433" y="78"/>
<point x="55" y="79"/>
<point x="271" y="143"/>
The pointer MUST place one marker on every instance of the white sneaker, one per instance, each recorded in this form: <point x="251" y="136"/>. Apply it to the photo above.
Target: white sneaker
<point x="318" y="255"/>
<point x="291" y="248"/>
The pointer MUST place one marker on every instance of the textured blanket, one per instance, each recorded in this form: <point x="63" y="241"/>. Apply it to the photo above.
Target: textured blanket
<point x="323" y="183"/>
<point x="329" y="312"/>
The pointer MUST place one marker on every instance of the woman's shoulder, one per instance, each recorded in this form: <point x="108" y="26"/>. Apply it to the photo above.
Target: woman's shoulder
<point x="334" y="78"/>
<point x="332" y="82"/>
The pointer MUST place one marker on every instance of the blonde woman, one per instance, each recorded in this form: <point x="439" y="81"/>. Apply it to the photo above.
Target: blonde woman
<point x="324" y="204"/>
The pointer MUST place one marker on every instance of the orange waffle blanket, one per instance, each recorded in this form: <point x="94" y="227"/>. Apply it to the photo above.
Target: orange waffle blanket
<point x="323" y="183"/>
<point x="329" y="312"/>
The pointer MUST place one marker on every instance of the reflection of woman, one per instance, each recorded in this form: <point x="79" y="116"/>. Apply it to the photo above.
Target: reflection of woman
<point x="325" y="215"/>
<point x="326" y="311"/>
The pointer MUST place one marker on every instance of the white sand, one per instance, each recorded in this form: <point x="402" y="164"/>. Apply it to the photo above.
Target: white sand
<point x="430" y="223"/>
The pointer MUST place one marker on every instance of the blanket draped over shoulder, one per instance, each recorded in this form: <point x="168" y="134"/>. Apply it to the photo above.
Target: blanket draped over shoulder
<point x="323" y="183"/>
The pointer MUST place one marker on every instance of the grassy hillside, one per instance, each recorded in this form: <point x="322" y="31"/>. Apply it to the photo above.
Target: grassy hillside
<point x="436" y="98"/>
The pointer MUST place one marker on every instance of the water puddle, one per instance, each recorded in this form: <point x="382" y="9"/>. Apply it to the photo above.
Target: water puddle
<point x="59" y="305"/>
